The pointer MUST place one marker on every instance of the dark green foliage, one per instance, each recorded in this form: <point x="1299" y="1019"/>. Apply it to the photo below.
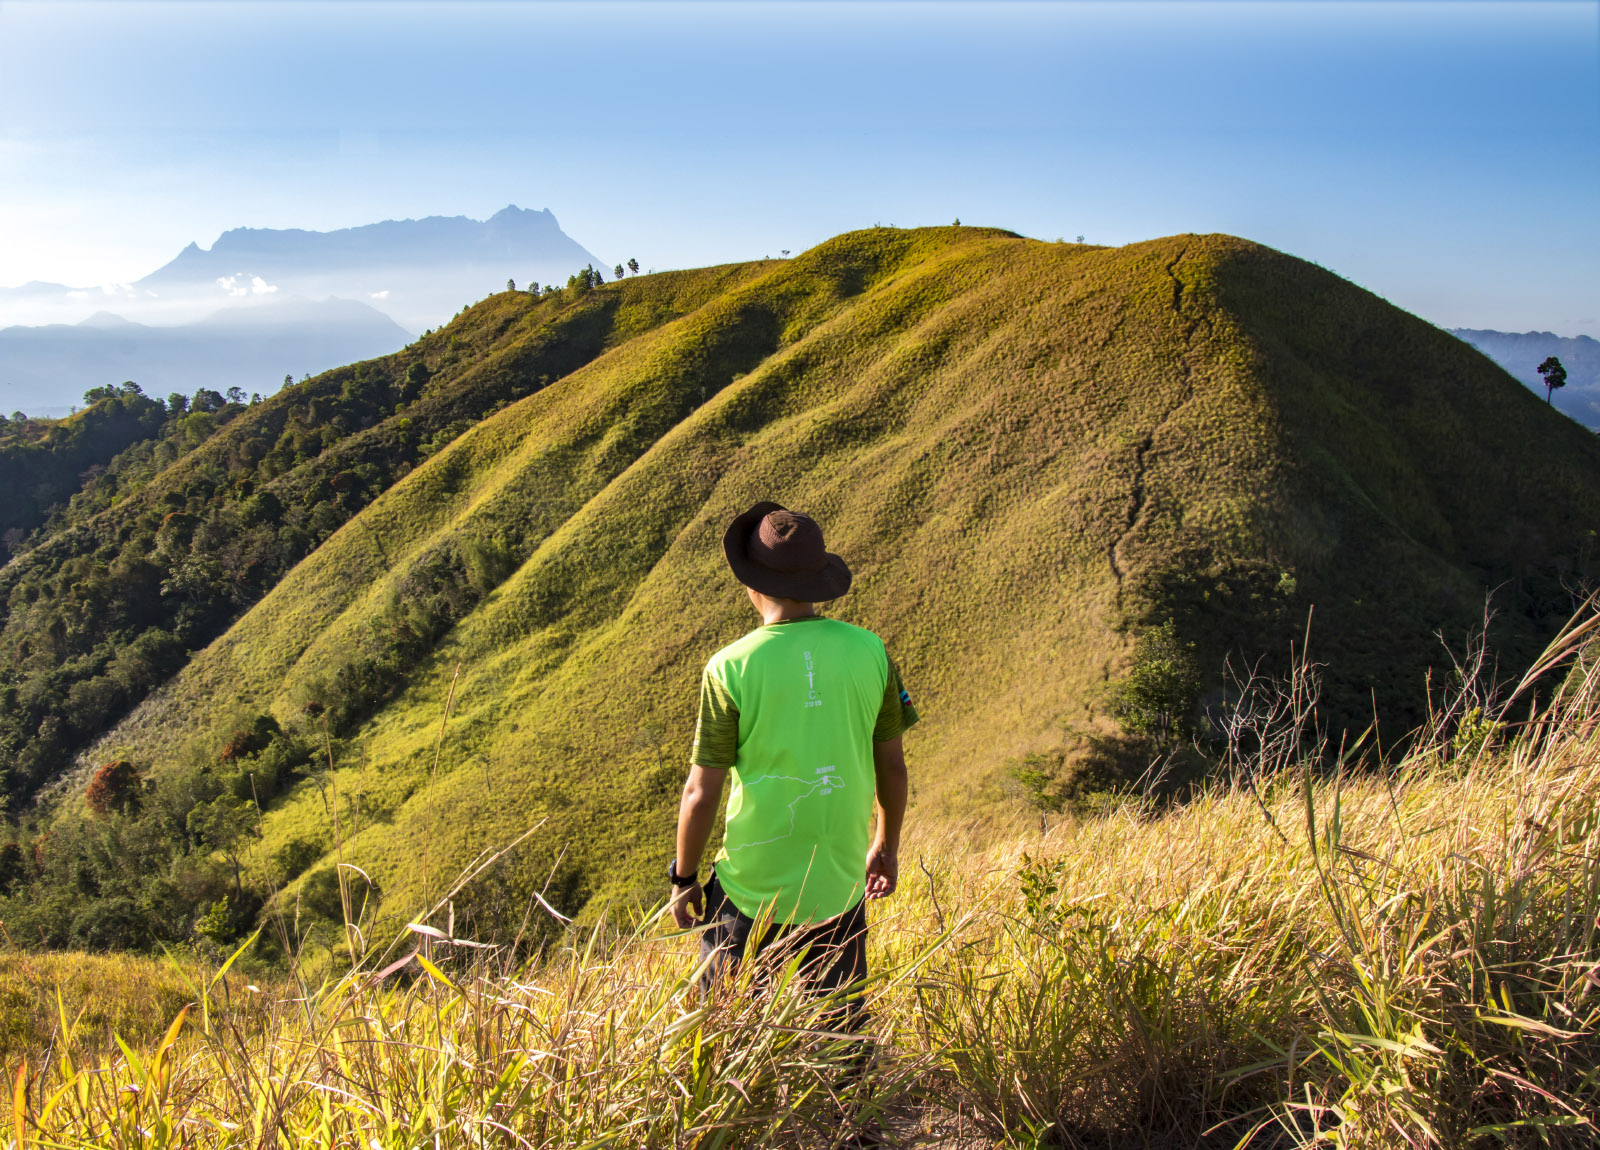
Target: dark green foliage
<point x="154" y="870"/>
<point x="1161" y="690"/>
<point x="225" y="823"/>
<point x="1037" y="782"/>
<point x="295" y="856"/>
<point x="44" y="461"/>
<point x="439" y="590"/>
<point x="13" y="867"/>
<point x="321" y="895"/>
<point x="1095" y="769"/>
<point x="1555" y="375"/>
<point x="249" y="740"/>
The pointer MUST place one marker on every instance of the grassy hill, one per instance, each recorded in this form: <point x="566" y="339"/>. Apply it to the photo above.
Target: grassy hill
<point x="1030" y="453"/>
<point x="201" y="505"/>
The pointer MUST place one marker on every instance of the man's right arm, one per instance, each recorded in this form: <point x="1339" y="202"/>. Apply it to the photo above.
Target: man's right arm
<point x="697" y="815"/>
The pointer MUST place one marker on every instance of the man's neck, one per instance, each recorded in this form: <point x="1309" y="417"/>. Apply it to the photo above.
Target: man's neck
<point x="776" y="611"/>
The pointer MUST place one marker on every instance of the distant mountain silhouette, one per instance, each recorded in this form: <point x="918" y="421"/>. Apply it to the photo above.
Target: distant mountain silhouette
<point x="241" y="313"/>
<point x="418" y="272"/>
<point x="33" y="289"/>
<point x="512" y="237"/>
<point x="1521" y="353"/>
<point x="44" y="370"/>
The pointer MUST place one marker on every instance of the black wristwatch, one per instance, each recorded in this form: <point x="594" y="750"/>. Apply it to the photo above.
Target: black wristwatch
<point x="680" y="880"/>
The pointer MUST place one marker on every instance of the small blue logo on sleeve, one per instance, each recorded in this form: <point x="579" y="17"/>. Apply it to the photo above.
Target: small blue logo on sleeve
<point x="905" y="696"/>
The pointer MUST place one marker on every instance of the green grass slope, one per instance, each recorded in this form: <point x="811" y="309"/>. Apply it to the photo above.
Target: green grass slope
<point x="157" y="553"/>
<point x="1026" y="451"/>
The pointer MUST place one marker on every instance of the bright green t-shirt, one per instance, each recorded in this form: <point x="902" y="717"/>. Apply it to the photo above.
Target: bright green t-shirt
<point x="806" y="698"/>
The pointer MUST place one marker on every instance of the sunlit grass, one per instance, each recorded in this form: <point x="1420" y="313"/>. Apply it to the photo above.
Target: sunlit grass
<point x="1376" y="959"/>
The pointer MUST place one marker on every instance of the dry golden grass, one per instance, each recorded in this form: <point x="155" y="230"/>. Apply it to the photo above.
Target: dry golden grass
<point x="1396" y="959"/>
<point x="101" y="995"/>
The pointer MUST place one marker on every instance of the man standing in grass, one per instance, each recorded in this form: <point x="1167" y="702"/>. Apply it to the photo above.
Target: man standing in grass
<point x="807" y="714"/>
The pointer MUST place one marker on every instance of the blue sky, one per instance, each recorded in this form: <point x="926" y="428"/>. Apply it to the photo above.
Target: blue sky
<point x="1444" y="155"/>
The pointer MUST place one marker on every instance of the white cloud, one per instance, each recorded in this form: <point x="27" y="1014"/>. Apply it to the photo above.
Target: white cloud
<point x="235" y="285"/>
<point x="77" y="295"/>
<point x="384" y="294"/>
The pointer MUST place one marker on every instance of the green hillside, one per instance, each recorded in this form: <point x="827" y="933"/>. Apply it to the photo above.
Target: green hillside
<point x="1028" y="452"/>
<point x="208" y="502"/>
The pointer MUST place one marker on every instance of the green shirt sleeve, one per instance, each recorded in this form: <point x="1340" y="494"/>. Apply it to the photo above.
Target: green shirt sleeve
<point x="896" y="714"/>
<point x="716" y="733"/>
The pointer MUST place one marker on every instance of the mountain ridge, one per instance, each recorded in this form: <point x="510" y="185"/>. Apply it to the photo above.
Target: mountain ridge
<point x="46" y="368"/>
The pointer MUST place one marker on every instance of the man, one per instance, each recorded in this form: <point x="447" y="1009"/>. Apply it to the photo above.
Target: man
<point x="807" y="714"/>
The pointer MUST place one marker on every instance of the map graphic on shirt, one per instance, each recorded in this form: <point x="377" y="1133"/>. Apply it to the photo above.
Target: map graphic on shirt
<point x="827" y="783"/>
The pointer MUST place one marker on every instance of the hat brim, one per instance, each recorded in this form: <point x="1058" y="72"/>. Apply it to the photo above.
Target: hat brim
<point x="813" y="587"/>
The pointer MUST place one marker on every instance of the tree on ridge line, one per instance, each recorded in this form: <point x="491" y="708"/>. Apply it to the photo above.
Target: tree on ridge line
<point x="1554" y="376"/>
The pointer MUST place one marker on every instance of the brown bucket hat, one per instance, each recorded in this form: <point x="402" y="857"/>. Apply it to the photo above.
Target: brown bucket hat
<point x="780" y="553"/>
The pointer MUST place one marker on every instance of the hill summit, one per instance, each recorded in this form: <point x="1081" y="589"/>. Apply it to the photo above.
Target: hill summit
<point x="1029" y="453"/>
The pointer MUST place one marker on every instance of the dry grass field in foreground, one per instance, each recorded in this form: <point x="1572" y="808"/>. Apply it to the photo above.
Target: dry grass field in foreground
<point x="1404" y="959"/>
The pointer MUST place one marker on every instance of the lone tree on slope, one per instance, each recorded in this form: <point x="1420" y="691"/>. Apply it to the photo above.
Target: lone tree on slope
<point x="115" y="787"/>
<point x="1159" y="694"/>
<point x="1554" y="376"/>
<point x="633" y="266"/>
<point x="511" y="285"/>
<point x="616" y="272"/>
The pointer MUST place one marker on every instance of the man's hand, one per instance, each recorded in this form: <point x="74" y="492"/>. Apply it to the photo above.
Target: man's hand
<point x="883" y="871"/>
<point x="688" y="905"/>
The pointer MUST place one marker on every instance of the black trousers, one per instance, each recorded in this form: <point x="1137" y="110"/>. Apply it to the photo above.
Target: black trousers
<point x="835" y="950"/>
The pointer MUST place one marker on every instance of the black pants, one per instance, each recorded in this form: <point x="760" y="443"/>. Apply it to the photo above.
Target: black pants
<point x="835" y="950"/>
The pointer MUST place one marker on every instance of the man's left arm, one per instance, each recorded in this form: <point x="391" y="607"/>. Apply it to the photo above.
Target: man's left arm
<point x="889" y="766"/>
<point x="883" y="857"/>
